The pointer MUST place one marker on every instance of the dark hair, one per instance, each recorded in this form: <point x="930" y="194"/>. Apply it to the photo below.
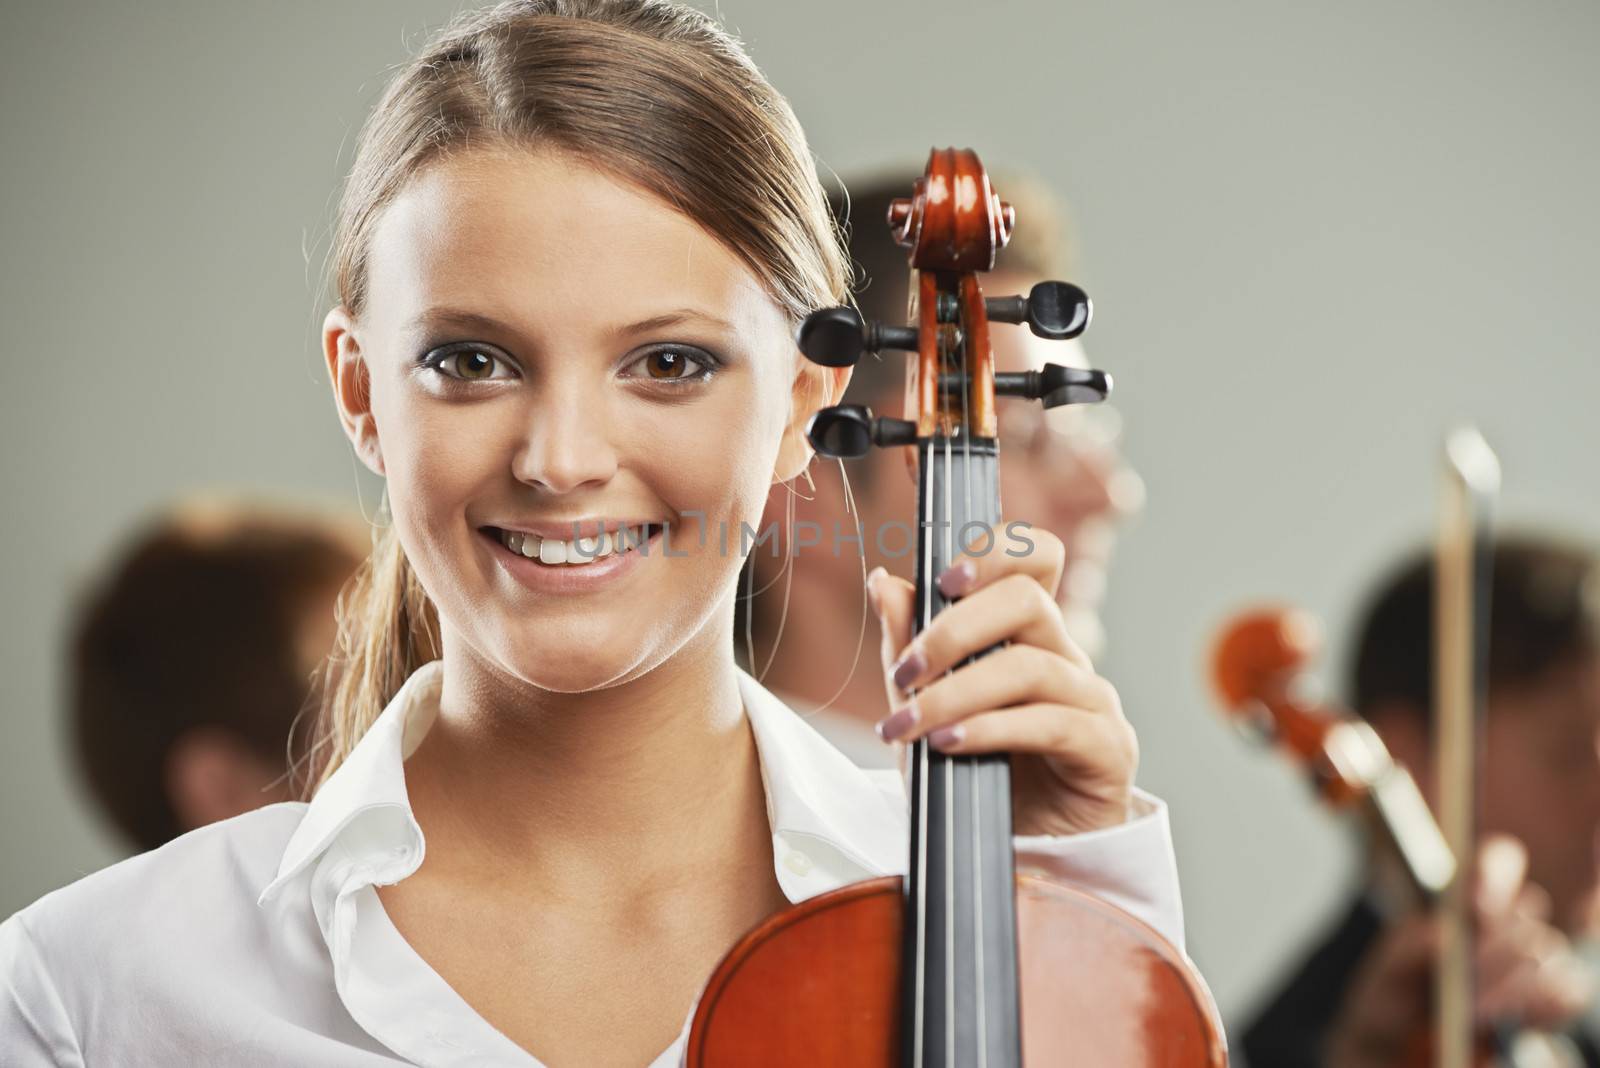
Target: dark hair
<point x="1040" y="248"/>
<point x="198" y="623"/>
<point x="1544" y="615"/>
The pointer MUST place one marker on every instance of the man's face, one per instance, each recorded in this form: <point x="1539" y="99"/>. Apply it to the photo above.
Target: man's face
<point x="1542" y="780"/>
<point x="1061" y="469"/>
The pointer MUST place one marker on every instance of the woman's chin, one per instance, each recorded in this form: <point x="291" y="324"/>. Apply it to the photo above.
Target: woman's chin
<point x="563" y="660"/>
<point x="573" y="646"/>
<point x="566" y="669"/>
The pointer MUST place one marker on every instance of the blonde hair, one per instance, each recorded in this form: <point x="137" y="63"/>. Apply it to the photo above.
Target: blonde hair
<point x="648" y="90"/>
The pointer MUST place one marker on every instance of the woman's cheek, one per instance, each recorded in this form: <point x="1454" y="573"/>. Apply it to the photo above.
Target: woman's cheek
<point x="438" y="464"/>
<point x="751" y="475"/>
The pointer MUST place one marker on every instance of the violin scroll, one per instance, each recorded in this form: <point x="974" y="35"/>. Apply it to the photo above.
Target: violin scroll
<point x="953" y="220"/>
<point x="1257" y="668"/>
<point x="952" y="227"/>
<point x="1259" y="654"/>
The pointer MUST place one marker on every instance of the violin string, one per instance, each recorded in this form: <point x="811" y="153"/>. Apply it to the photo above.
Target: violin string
<point x="921" y="751"/>
<point x="973" y="792"/>
<point x="949" y="818"/>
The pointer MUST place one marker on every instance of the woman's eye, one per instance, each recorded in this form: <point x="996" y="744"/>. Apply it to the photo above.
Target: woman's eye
<point x="467" y="364"/>
<point x="667" y="364"/>
<point x="676" y="364"/>
<point x="470" y="364"/>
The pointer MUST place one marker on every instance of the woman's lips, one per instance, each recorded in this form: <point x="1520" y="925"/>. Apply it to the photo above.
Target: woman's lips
<point x="575" y="577"/>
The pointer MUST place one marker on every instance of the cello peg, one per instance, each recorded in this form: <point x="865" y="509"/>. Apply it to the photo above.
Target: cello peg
<point x="837" y="337"/>
<point x="1054" y="310"/>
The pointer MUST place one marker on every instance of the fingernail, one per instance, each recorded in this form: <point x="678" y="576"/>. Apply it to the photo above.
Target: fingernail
<point x="893" y="728"/>
<point x="956" y="580"/>
<point x="910" y="665"/>
<point x="945" y="737"/>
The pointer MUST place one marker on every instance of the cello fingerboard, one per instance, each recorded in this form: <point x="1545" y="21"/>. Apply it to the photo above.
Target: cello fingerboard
<point x="960" y="958"/>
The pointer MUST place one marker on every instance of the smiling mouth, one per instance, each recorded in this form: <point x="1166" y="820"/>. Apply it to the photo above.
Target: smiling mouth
<point x="554" y="552"/>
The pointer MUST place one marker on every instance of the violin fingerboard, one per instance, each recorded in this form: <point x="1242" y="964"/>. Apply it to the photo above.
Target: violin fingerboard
<point x="961" y="1007"/>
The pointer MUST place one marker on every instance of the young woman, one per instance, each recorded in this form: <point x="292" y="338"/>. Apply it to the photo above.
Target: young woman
<point x="571" y="255"/>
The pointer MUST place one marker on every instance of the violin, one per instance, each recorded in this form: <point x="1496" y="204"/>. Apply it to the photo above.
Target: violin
<point x="1258" y="673"/>
<point x="963" y="962"/>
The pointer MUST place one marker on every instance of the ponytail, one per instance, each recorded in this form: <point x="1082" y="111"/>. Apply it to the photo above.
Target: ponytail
<point x="387" y="629"/>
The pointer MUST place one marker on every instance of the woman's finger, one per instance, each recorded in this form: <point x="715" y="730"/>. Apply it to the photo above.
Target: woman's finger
<point x="1076" y="741"/>
<point x="893" y="601"/>
<point x="1015" y="675"/>
<point x="1008" y="549"/>
<point x="1015" y="609"/>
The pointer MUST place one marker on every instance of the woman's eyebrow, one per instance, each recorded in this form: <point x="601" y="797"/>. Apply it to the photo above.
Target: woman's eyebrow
<point x="469" y="320"/>
<point x="456" y="317"/>
<point x="673" y="318"/>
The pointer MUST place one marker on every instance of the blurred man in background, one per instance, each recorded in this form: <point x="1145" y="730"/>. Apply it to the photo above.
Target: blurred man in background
<point x="191" y="659"/>
<point x="1364" y="993"/>
<point x="1060" y="470"/>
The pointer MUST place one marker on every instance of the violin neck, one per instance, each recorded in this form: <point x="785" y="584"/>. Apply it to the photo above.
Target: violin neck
<point x="960" y="999"/>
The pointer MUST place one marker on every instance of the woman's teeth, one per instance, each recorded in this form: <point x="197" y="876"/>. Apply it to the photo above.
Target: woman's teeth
<point x="581" y="551"/>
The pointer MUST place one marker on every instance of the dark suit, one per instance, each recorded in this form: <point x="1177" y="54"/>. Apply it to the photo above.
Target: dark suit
<point x="1291" y="1031"/>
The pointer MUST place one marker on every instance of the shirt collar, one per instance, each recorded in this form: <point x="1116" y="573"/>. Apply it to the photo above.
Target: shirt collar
<point x="817" y="793"/>
<point x="365" y="799"/>
<point x="832" y="822"/>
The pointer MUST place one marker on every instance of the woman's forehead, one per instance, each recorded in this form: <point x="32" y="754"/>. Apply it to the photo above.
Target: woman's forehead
<point x="499" y="231"/>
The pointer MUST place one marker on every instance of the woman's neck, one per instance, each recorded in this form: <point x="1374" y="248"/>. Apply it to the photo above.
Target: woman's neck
<point x="610" y="791"/>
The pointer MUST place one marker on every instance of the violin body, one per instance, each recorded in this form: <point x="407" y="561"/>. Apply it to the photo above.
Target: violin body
<point x="820" y="984"/>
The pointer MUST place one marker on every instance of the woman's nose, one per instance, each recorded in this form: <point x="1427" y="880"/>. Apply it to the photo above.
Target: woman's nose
<point x="567" y="442"/>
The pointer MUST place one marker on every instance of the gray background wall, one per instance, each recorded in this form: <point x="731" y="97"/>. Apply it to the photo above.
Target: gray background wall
<point x="1317" y="235"/>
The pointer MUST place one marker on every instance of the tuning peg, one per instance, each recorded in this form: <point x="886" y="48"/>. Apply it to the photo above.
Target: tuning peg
<point x="836" y="337"/>
<point x="1093" y="388"/>
<point x="846" y="431"/>
<point x="1060" y="385"/>
<point x="1054" y="310"/>
<point x="1055" y="385"/>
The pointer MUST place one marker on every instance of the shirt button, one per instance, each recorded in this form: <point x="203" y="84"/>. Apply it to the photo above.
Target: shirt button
<point x="797" y="862"/>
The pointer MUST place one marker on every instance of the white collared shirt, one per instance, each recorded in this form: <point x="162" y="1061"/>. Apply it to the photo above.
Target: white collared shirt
<point x="262" y="941"/>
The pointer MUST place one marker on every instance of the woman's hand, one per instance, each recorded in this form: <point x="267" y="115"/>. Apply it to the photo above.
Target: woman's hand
<point x="1074" y="753"/>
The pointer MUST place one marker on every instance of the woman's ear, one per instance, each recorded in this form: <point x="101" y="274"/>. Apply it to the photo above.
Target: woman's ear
<point x="352" y="387"/>
<point x="815" y="387"/>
